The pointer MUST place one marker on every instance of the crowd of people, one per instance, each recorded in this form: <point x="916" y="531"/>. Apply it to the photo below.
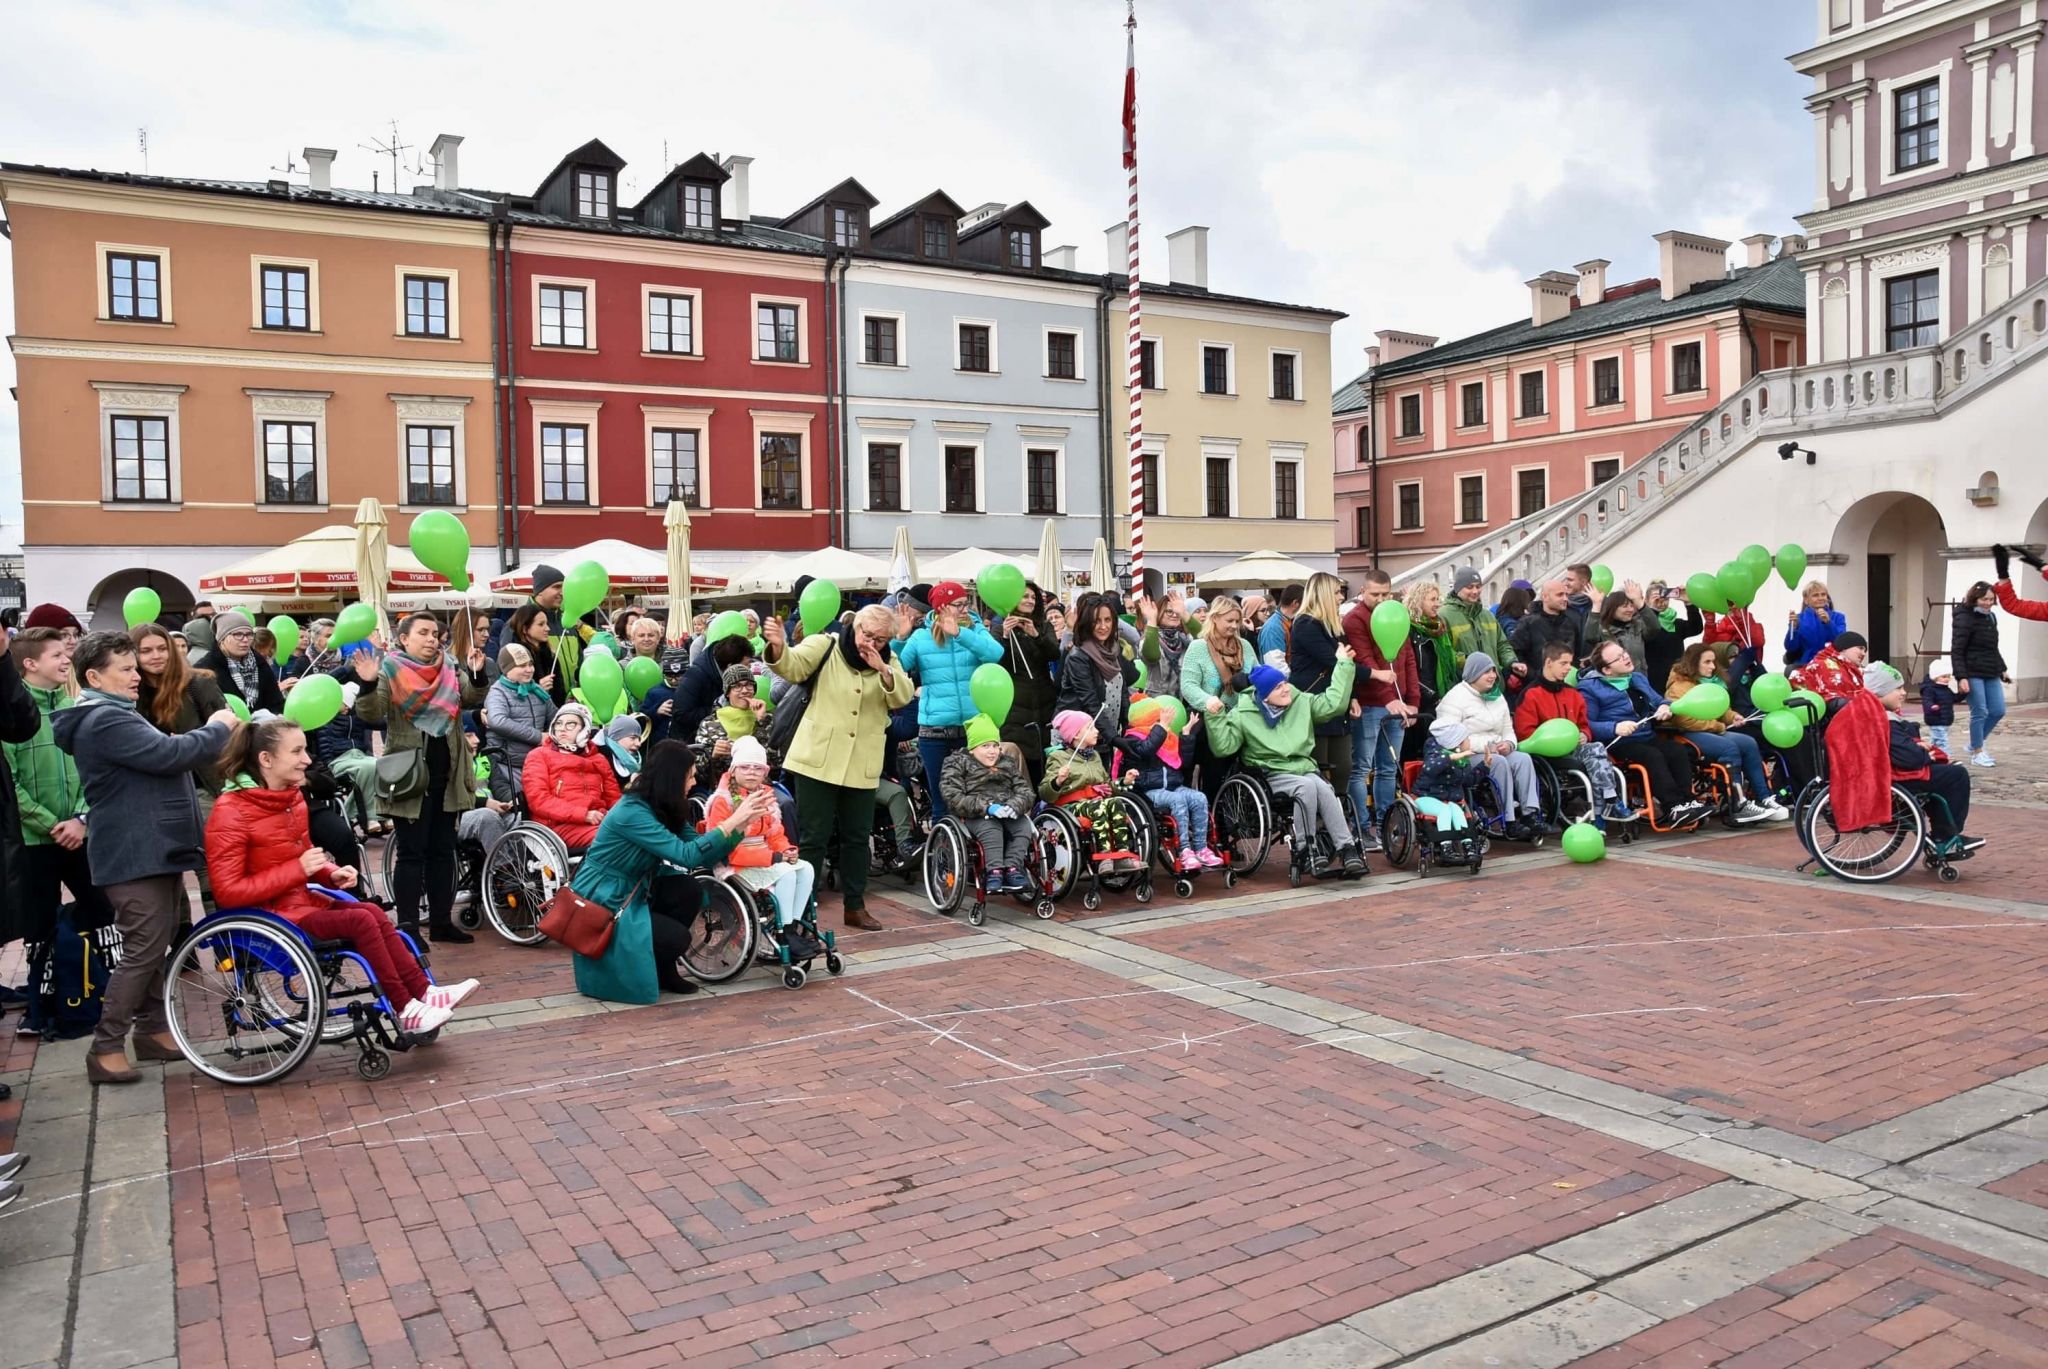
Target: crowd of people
<point x="137" y="760"/>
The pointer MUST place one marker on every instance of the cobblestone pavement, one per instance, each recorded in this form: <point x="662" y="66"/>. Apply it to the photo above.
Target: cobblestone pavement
<point x="1685" y="1107"/>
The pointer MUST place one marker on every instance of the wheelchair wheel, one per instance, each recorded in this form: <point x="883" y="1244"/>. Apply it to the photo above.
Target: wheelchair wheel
<point x="1060" y="839"/>
<point x="946" y="867"/>
<point x="1244" y="824"/>
<point x="246" y="999"/>
<point x="1802" y="809"/>
<point x="1397" y="834"/>
<point x="387" y="869"/>
<point x="723" y="937"/>
<point x="347" y="981"/>
<point x="1868" y="855"/>
<point x="1144" y="843"/>
<point x="522" y="871"/>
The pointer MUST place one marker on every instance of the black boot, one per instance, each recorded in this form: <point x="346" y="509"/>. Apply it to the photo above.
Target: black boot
<point x="448" y="934"/>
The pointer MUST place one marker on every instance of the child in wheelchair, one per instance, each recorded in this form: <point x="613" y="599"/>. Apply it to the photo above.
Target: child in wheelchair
<point x="985" y="789"/>
<point x="569" y="784"/>
<point x="1448" y="788"/>
<point x="260" y="855"/>
<point x="1077" y="779"/>
<point x="1272" y="729"/>
<point x="765" y="860"/>
<point x="1552" y="695"/>
<point x="1922" y="771"/>
<point x="1155" y="754"/>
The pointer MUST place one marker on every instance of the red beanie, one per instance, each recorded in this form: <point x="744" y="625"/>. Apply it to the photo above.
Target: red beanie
<point x="54" y="616"/>
<point x="947" y="592"/>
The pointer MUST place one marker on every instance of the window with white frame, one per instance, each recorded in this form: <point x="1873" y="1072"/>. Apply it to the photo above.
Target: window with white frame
<point x="593" y="195"/>
<point x="782" y="470"/>
<point x="885" y="477"/>
<point x="286" y="297"/>
<point x="1062" y="354"/>
<point x="963" y="479"/>
<point x="1603" y="469"/>
<point x="1535" y="402"/>
<point x="1912" y="310"/>
<point x="1286" y="375"/>
<point x="1218" y="369"/>
<point x="1688" y="368"/>
<point x="1606" y="382"/>
<point x="1148" y="475"/>
<point x="1411" y="416"/>
<point x="672" y="323"/>
<point x="1286" y="488"/>
<point x="1408" y="506"/>
<point x="976" y="348"/>
<point x="134" y="287"/>
<point x="700" y="205"/>
<point x="1219" y="482"/>
<point x="1148" y="364"/>
<point x="565" y="463"/>
<point x="426" y="306"/>
<point x="881" y="339"/>
<point x="563" y="317"/>
<point x="1532" y="491"/>
<point x="291" y="473"/>
<point x="673" y="469"/>
<point x="1472" y="404"/>
<point x="778" y="331"/>
<point x="1916" y="125"/>
<point x="1471" y="499"/>
<point x="1041" y="481"/>
<point x="429" y="464"/>
<point x="141" y="452"/>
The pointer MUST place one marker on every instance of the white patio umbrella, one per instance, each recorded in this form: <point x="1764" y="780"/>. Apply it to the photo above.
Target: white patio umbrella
<point x="373" y="558"/>
<point x="1260" y="570"/>
<point x="778" y="574"/>
<point x="902" y="561"/>
<point x="319" y="566"/>
<point x="1051" y="570"/>
<point x="967" y="564"/>
<point x="677" y="522"/>
<point x="1101" y="576"/>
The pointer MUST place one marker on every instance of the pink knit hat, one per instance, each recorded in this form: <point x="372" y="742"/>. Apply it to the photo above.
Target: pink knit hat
<point x="1069" y="724"/>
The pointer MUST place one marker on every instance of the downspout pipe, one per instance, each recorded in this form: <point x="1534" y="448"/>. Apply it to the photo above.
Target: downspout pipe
<point x="1372" y="462"/>
<point x="1105" y="424"/>
<point x="843" y="534"/>
<point x="511" y="469"/>
<point x="497" y="389"/>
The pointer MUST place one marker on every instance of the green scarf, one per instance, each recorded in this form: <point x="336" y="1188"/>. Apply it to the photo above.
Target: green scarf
<point x="101" y="696"/>
<point x="1438" y="633"/>
<point x="530" y="690"/>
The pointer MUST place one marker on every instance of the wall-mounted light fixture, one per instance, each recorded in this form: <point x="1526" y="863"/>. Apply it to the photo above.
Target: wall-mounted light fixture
<point x="1791" y="449"/>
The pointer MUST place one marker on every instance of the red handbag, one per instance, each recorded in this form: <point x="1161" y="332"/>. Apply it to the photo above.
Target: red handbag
<point x="584" y="927"/>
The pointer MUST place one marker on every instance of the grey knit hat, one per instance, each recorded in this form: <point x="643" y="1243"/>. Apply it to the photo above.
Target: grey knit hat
<point x="735" y="676"/>
<point x="229" y="623"/>
<point x="1466" y="576"/>
<point x="1477" y="664"/>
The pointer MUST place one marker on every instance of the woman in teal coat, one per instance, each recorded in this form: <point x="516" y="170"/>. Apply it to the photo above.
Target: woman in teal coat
<point x="647" y="834"/>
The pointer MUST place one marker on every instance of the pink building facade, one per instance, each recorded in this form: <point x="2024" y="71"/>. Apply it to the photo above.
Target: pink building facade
<point x="1439" y="443"/>
<point x="1929" y="116"/>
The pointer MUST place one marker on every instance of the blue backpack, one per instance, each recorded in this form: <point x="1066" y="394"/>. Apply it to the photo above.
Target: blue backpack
<point x="68" y="977"/>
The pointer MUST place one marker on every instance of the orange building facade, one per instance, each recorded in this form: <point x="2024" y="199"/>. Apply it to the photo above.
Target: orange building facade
<point x="207" y="375"/>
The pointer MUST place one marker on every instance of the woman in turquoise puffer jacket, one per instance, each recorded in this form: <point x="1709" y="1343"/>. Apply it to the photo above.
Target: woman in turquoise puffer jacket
<point x="942" y="657"/>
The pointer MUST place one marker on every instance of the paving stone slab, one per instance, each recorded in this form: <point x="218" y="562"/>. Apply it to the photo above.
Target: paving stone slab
<point x="1460" y="1306"/>
<point x="1545" y="1339"/>
<point x="126" y="1224"/>
<point x="1329" y="1347"/>
<point x="1940" y="1124"/>
<point x="1657" y="1232"/>
<point x="1981" y="1238"/>
<point x="126" y="1317"/>
<point x="34" y="1296"/>
<point x="48" y="1228"/>
<point x="126" y="1147"/>
<point x="1726" y="1264"/>
<point x="1983" y="1159"/>
<point x="1766" y="1169"/>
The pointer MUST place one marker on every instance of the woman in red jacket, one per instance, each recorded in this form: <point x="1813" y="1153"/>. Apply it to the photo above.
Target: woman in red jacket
<point x="259" y="855"/>
<point x="2008" y="597"/>
<point x="1552" y="695"/>
<point x="569" y="783"/>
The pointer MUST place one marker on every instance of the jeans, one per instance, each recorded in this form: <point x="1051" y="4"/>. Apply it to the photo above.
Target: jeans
<point x="833" y="819"/>
<point x="1190" y="811"/>
<point x="1987" y="708"/>
<point x="1938" y="736"/>
<point x="1735" y="749"/>
<point x="1375" y="757"/>
<point x="933" y="752"/>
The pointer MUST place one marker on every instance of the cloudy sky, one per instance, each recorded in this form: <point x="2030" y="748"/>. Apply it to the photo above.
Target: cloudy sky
<point x="1410" y="162"/>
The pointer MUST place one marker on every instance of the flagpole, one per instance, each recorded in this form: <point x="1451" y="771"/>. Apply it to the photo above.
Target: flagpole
<point x="1134" y="384"/>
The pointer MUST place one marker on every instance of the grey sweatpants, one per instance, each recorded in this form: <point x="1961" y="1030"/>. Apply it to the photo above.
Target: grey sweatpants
<point x="1005" y="842"/>
<point x="1514" y="779"/>
<point x="1315" y="806"/>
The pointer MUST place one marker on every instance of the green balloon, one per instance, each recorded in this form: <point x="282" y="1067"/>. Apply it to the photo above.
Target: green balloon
<point x="1557" y="737"/>
<point x="314" y="702"/>
<point x="1769" y="692"/>
<point x="1583" y="843"/>
<point x="1738" y="586"/>
<point x="441" y="544"/>
<point x="1571" y="677"/>
<point x="1756" y="559"/>
<point x="992" y="690"/>
<point x="1820" y="705"/>
<point x="642" y="674"/>
<point x="241" y="710"/>
<point x="602" y="680"/>
<point x="603" y="641"/>
<point x="1603" y="579"/>
<point x="141" y="606"/>
<point x="355" y="624"/>
<point x="1783" y="729"/>
<point x="1001" y="587"/>
<point x="286" y="631"/>
<point x="1705" y="591"/>
<point x="818" y="606"/>
<point x="1144" y="678"/>
<point x="583" y="589"/>
<point x="1791" y="564"/>
<point x="1706" y="701"/>
<point x="731" y="623"/>
<point x="1390" y="628"/>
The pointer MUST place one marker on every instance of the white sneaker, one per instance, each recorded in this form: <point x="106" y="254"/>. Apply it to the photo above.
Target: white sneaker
<point x="1775" y="811"/>
<point x="450" y="995"/>
<point x="1983" y="758"/>
<point x="421" y="1017"/>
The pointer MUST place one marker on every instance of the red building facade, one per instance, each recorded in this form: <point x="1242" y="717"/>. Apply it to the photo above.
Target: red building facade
<point x="670" y="352"/>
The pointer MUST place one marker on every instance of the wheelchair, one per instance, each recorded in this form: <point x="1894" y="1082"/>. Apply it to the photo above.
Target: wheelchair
<point x="1069" y="843"/>
<point x="955" y="867"/>
<point x="737" y="927"/>
<point x="1409" y="836"/>
<point x="1879" y="853"/>
<point x="469" y="869"/>
<point x="1167" y="847"/>
<point x="1567" y="793"/>
<point x="519" y="876"/>
<point x="248" y="997"/>
<point x="1251" y="818"/>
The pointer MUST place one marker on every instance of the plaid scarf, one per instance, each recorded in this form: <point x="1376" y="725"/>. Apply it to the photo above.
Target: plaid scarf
<point x="427" y="696"/>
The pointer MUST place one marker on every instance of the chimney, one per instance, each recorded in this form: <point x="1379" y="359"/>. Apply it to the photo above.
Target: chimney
<point x="1061" y="258"/>
<point x="1117" y="249"/>
<point x="1791" y="245"/>
<point x="1688" y="259"/>
<point x="447" y="174"/>
<point x="1187" y="257"/>
<point x="1393" y="346"/>
<point x="1759" y="245"/>
<point x="1372" y="357"/>
<point x="319" y="168"/>
<point x="735" y="198"/>
<point x="1550" y="296"/>
<point x="1592" y="280"/>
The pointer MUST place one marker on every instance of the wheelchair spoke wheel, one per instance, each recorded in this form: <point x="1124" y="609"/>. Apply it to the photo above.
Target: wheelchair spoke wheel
<point x="722" y="938"/>
<point x="1867" y="855"/>
<point x="1243" y="824"/>
<point x="1397" y="834"/>
<point x="245" y="998"/>
<point x="1060" y="842"/>
<point x="347" y="981"/>
<point x="946" y="871"/>
<point x="522" y="871"/>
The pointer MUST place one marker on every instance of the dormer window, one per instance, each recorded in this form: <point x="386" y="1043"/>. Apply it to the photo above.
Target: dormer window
<point x="846" y="226"/>
<point x="700" y="205"/>
<point x="1022" y="248"/>
<point x="593" y="195"/>
<point x="938" y="238"/>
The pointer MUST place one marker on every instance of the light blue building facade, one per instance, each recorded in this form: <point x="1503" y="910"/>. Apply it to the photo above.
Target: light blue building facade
<point x="973" y="392"/>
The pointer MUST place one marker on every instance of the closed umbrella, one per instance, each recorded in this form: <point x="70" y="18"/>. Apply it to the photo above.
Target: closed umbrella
<point x="373" y="558"/>
<point x="1101" y="578"/>
<point x="677" y="521"/>
<point x="902" y="561"/>
<point x="1051" y="572"/>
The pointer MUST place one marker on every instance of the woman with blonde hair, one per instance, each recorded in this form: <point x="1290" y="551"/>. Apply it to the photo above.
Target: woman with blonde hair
<point x="1211" y="673"/>
<point x="1312" y="660"/>
<point x="1813" y="625"/>
<point x="1435" y="659"/>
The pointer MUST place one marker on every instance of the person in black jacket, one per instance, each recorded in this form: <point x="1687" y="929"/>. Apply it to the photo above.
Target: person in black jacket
<point x="1030" y="651"/>
<point x="1550" y="620"/>
<point x="1915" y="771"/>
<point x="239" y="668"/>
<point x="1664" y="648"/>
<point x="1979" y="665"/>
<point x="1097" y="677"/>
<point x="702" y="688"/>
<point x="1312" y="642"/>
<point x="20" y="721"/>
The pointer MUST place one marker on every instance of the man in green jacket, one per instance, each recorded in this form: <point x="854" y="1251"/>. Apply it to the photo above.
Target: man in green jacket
<point x="1473" y="627"/>
<point x="51" y="799"/>
<point x="1273" y="729"/>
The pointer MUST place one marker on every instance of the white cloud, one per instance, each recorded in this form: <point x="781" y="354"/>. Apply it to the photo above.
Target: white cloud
<point x="1409" y="163"/>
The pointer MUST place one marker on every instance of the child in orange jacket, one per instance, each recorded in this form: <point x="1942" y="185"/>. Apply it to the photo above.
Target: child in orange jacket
<point x="765" y="857"/>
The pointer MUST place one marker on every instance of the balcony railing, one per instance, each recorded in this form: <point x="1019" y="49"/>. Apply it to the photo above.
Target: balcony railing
<point x="1775" y="404"/>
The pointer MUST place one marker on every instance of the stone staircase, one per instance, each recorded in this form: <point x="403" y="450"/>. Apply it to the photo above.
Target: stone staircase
<point x="1773" y="406"/>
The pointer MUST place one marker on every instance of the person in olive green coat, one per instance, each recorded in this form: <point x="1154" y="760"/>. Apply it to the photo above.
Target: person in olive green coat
<point x="836" y="758"/>
<point x="418" y="692"/>
<point x="1472" y="625"/>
